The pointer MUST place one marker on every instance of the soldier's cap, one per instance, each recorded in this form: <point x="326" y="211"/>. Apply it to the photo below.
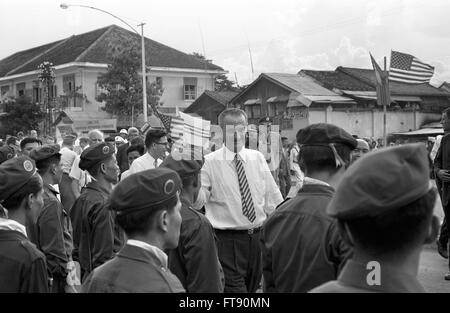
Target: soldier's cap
<point x="119" y="139"/>
<point x="44" y="152"/>
<point x="144" y="190"/>
<point x="362" y="144"/>
<point x="15" y="173"/>
<point x="95" y="154"/>
<point x="322" y="134"/>
<point x="123" y="131"/>
<point x="184" y="168"/>
<point x="381" y="181"/>
<point x="6" y="153"/>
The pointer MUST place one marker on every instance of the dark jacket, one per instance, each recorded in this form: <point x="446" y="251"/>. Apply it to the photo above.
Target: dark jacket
<point x="442" y="162"/>
<point x="133" y="270"/>
<point x="52" y="235"/>
<point x="22" y="265"/>
<point x="122" y="157"/>
<point x="96" y="237"/>
<point x="195" y="261"/>
<point x="301" y="247"/>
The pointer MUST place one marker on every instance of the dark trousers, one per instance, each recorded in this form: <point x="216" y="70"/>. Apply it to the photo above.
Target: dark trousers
<point x="240" y="256"/>
<point x="443" y="235"/>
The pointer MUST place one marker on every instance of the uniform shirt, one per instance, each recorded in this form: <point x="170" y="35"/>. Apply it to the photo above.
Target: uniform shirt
<point x="353" y="279"/>
<point x="96" y="237"/>
<point x="52" y="233"/>
<point x="145" y="162"/>
<point x="300" y="243"/>
<point x="195" y="261"/>
<point x="220" y="187"/>
<point x="442" y="162"/>
<point x="67" y="158"/>
<point x="81" y="176"/>
<point x="135" y="270"/>
<point x="22" y="265"/>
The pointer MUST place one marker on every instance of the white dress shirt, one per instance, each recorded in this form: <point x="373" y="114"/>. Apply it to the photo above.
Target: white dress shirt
<point x="220" y="188"/>
<point x="436" y="146"/>
<point x="67" y="158"/>
<point x="145" y="162"/>
<point x="77" y="173"/>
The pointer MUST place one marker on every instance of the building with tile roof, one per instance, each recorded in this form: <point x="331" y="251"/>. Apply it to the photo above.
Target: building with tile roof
<point x="79" y="59"/>
<point x="210" y="104"/>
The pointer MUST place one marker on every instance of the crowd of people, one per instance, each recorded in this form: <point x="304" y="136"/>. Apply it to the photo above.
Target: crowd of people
<point x="124" y="214"/>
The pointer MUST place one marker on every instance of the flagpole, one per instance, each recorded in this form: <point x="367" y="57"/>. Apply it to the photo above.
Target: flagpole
<point x="384" y="113"/>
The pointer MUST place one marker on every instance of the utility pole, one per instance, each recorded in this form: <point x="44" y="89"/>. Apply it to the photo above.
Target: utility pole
<point x="144" y="74"/>
<point x="384" y="111"/>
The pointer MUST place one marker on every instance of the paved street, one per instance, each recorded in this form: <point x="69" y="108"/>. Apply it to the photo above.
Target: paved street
<point x="432" y="269"/>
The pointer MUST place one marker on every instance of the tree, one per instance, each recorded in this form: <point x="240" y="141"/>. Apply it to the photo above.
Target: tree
<point x="122" y="85"/>
<point x="222" y="83"/>
<point x="22" y="115"/>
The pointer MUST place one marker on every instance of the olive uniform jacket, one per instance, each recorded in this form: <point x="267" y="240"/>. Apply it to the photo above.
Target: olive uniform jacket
<point x="52" y="235"/>
<point x="195" y="261"/>
<point x="301" y="247"/>
<point x="133" y="270"/>
<point x="96" y="237"/>
<point x="22" y="265"/>
<point x="442" y="162"/>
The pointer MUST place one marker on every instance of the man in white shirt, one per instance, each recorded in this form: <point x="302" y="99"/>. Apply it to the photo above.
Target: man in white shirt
<point x="68" y="156"/>
<point x="240" y="193"/>
<point x="156" y="144"/>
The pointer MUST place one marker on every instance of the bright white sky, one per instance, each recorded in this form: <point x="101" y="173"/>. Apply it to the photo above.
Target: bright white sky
<point x="284" y="35"/>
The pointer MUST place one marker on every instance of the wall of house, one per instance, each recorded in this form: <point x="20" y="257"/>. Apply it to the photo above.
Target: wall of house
<point x="173" y="85"/>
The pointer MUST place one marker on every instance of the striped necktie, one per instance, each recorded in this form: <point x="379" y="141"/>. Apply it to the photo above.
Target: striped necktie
<point x="248" y="209"/>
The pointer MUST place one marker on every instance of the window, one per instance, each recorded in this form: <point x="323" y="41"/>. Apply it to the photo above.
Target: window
<point x="190" y="88"/>
<point x="69" y="90"/>
<point x="53" y="92"/>
<point x="20" y="89"/>
<point x="37" y="92"/>
<point x="256" y="111"/>
<point x="159" y="82"/>
<point x="4" y="90"/>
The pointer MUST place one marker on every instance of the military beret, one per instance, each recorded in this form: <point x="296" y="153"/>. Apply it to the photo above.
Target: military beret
<point x="15" y="173"/>
<point x="69" y="140"/>
<point x="381" y="181"/>
<point x="324" y="134"/>
<point x="6" y="153"/>
<point x="95" y="154"/>
<point x="44" y="152"/>
<point x="184" y="168"/>
<point x="143" y="190"/>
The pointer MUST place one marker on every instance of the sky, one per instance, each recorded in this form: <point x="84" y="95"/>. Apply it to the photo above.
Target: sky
<point x="284" y="36"/>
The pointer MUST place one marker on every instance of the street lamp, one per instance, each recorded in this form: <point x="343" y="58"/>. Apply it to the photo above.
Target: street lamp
<point x="144" y="72"/>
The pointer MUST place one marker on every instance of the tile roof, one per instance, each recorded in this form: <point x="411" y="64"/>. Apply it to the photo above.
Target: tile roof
<point x="368" y="76"/>
<point x="337" y="79"/>
<point x="223" y="97"/>
<point x="300" y="84"/>
<point x="98" y="46"/>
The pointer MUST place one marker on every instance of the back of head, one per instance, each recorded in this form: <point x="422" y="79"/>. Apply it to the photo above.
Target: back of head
<point x="324" y="147"/>
<point x="386" y="199"/>
<point x="28" y="140"/>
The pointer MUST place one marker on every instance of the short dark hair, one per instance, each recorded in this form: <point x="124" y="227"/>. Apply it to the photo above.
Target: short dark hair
<point x="44" y="165"/>
<point x="33" y="186"/>
<point x="153" y="135"/>
<point x="140" y="222"/>
<point x="28" y="140"/>
<point x="139" y="148"/>
<point x="12" y="140"/>
<point x="396" y="230"/>
<point x="137" y="141"/>
<point x="319" y="158"/>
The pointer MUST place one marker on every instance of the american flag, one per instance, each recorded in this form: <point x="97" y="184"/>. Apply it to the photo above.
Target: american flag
<point x="406" y="68"/>
<point x="383" y="94"/>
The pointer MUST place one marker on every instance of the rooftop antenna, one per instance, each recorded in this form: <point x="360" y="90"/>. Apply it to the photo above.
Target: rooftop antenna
<point x="235" y="78"/>
<point x="250" y="53"/>
<point x="203" y="44"/>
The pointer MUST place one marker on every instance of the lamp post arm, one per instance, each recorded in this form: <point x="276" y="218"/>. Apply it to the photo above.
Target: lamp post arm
<point x="94" y="8"/>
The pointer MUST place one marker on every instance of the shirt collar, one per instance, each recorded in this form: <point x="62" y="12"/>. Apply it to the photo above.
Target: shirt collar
<point x="7" y="224"/>
<point x="96" y="186"/>
<point x="51" y="189"/>
<point x="229" y="155"/>
<point x="392" y="280"/>
<point x="152" y="249"/>
<point x="312" y="181"/>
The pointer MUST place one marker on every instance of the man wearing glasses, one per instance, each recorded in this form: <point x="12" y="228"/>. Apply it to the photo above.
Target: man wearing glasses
<point x="156" y="144"/>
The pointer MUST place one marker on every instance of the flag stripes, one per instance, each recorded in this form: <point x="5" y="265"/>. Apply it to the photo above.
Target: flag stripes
<point x="408" y="69"/>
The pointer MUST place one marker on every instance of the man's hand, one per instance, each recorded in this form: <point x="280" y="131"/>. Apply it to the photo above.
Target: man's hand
<point x="444" y="175"/>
